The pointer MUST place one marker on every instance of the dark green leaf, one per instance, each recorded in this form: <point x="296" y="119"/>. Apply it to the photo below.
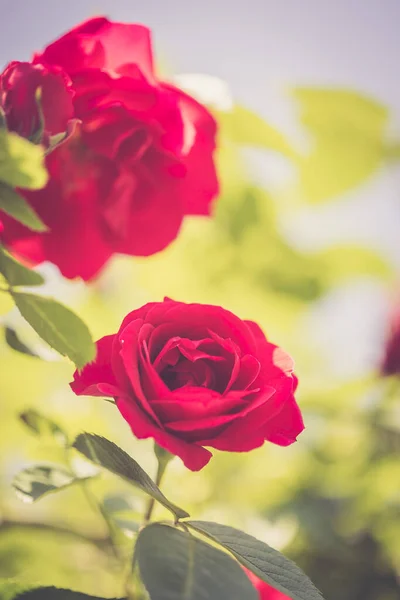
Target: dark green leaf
<point x="34" y="482"/>
<point x="52" y="593"/>
<point x="21" y="162"/>
<point x="15" y="343"/>
<point x="14" y="205"/>
<point x="62" y="329"/>
<point x="16" y="273"/>
<point x="174" y="565"/>
<point x="43" y="426"/>
<point x="125" y="511"/>
<point x="265" y="562"/>
<point x="117" y="503"/>
<point x="108" y="455"/>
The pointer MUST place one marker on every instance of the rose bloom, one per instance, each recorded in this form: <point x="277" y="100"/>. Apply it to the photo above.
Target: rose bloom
<point x="265" y="591"/>
<point x="391" y="360"/>
<point x="195" y="375"/>
<point x="138" y="161"/>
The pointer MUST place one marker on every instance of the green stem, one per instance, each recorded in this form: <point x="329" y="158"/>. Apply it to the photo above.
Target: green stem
<point x="163" y="458"/>
<point x="162" y="465"/>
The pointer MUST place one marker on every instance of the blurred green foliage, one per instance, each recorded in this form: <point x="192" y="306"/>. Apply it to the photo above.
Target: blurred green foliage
<point x="331" y="500"/>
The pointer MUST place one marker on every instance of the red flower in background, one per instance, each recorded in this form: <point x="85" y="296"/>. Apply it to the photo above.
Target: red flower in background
<point x="193" y="375"/>
<point x="140" y="160"/>
<point x="265" y="591"/>
<point x="18" y="86"/>
<point x="391" y="360"/>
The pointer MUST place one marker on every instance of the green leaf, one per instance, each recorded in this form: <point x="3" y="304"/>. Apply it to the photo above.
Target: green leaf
<point x="14" y="205"/>
<point x="16" y="273"/>
<point x="125" y="511"/>
<point x="108" y="455"/>
<point x="174" y="565"/>
<point x="265" y="562"/>
<point x="10" y="588"/>
<point x="342" y="263"/>
<point x="246" y="128"/>
<point x="43" y="426"/>
<point x="62" y="329"/>
<point x="21" y="162"/>
<point x="117" y="503"/>
<point x="57" y="140"/>
<point x="3" y="120"/>
<point x="13" y="341"/>
<point x="52" y="593"/>
<point x="37" y="481"/>
<point x="349" y="140"/>
<point x="128" y="526"/>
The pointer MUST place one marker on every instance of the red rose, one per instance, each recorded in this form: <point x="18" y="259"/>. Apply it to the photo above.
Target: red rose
<point x="18" y="85"/>
<point x="193" y="375"/>
<point x="141" y="159"/>
<point x="391" y="359"/>
<point x="265" y="591"/>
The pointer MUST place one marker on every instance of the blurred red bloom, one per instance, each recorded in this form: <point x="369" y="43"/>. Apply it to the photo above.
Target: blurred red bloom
<point x="138" y="162"/>
<point x="391" y="361"/>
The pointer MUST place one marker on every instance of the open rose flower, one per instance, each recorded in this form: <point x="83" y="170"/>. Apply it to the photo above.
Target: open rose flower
<point x="140" y="159"/>
<point x="265" y="591"/>
<point x="194" y="375"/>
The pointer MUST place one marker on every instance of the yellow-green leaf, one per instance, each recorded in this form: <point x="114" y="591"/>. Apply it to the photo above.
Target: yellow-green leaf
<point x="14" y="205"/>
<point x="246" y="128"/>
<point x="16" y="273"/>
<point x="348" y="143"/>
<point x="21" y="162"/>
<point x="62" y="329"/>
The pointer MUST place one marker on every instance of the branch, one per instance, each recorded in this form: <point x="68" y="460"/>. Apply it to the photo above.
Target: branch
<point x="103" y="543"/>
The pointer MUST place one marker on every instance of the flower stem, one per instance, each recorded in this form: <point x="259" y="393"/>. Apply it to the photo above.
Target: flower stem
<point x="163" y="458"/>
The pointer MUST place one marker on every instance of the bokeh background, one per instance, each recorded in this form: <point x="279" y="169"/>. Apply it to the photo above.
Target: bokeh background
<point x="305" y="240"/>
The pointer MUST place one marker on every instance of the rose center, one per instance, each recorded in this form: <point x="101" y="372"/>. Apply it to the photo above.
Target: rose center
<point x="187" y="373"/>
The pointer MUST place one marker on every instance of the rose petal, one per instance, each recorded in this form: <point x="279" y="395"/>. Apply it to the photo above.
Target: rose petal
<point x="88" y="381"/>
<point x="212" y="426"/>
<point x="196" y="321"/>
<point x="194" y="403"/>
<point x="131" y="358"/>
<point x="249" y="370"/>
<point x="106" y="130"/>
<point x="101" y="44"/>
<point x="73" y="52"/>
<point x="122" y="43"/>
<point x="284" y="428"/>
<point x="19" y="83"/>
<point x="201" y="184"/>
<point x="193" y="456"/>
<point x="247" y="433"/>
<point x="156" y="211"/>
<point x="278" y="360"/>
<point x="141" y="313"/>
<point x="266" y="592"/>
